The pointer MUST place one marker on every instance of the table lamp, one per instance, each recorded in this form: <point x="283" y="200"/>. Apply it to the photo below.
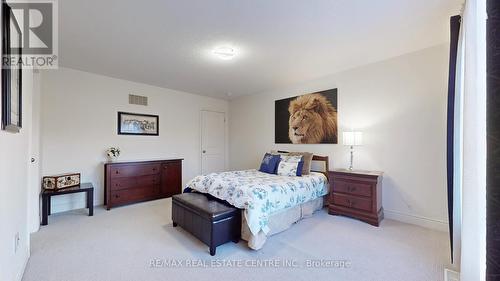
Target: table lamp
<point x="352" y="138"/>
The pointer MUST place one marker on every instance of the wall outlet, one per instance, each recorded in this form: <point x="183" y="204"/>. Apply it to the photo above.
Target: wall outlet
<point x="17" y="240"/>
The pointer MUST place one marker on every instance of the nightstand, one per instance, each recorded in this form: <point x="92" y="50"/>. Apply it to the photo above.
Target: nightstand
<point x="356" y="194"/>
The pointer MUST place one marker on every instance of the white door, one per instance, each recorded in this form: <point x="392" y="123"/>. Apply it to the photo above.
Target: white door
<point x="213" y="142"/>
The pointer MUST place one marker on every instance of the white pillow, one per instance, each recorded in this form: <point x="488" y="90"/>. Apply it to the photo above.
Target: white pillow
<point x="291" y="159"/>
<point x="287" y="169"/>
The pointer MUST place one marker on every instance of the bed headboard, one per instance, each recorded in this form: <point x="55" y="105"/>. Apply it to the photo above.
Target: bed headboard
<point x="323" y="159"/>
<point x="317" y="159"/>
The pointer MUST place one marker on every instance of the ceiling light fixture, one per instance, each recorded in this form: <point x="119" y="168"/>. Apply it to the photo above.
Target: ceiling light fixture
<point x="224" y="52"/>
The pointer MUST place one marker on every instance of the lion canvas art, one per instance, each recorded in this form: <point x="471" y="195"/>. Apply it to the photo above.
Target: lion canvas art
<point x="307" y="119"/>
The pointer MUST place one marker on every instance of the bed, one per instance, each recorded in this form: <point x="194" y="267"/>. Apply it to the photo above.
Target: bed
<point x="270" y="203"/>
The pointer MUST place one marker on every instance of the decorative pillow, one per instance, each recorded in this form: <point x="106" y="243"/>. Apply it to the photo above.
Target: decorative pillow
<point x="292" y="159"/>
<point x="291" y="169"/>
<point x="269" y="163"/>
<point x="300" y="167"/>
<point x="307" y="158"/>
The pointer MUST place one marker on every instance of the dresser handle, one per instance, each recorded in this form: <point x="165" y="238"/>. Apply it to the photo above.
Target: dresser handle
<point x="117" y="196"/>
<point x="351" y="203"/>
<point x="351" y="188"/>
<point x="117" y="172"/>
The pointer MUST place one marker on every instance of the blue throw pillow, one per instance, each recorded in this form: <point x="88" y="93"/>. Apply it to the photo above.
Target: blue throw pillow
<point x="299" y="168"/>
<point x="269" y="163"/>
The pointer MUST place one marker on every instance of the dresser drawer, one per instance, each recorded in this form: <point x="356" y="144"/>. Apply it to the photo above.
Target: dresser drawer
<point x="133" y="195"/>
<point x="129" y="182"/>
<point x="352" y="202"/>
<point x="134" y="170"/>
<point x="134" y="182"/>
<point x="352" y="187"/>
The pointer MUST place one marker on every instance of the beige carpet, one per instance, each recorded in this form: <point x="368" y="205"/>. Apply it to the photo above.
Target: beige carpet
<point x="121" y="244"/>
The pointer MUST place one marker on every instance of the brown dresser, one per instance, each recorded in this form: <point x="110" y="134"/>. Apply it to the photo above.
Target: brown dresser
<point x="356" y="194"/>
<point x="130" y="182"/>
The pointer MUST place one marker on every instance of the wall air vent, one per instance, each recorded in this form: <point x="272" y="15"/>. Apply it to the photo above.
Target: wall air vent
<point x="139" y="100"/>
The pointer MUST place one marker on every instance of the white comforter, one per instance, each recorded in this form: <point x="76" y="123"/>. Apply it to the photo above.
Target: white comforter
<point x="261" y="194"/>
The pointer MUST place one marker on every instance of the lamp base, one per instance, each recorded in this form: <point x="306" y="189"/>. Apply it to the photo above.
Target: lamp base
<point x="352" y="158"/>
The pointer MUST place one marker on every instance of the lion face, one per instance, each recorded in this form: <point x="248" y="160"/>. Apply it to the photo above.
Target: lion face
<point x="301" y="123"/>
<point x="313" y="119"/>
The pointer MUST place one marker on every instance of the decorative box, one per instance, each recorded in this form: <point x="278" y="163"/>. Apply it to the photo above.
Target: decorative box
<point x="61" y="181"/>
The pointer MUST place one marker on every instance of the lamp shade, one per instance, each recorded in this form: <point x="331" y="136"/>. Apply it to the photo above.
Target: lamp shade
<point x="353" y="138"/>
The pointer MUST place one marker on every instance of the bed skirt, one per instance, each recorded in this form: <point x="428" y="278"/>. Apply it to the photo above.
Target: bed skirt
<point x="280" y="221"/>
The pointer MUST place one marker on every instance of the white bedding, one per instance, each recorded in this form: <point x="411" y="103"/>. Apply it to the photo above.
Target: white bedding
<point x="261" y="194"/>
<point x="281" y="221"/>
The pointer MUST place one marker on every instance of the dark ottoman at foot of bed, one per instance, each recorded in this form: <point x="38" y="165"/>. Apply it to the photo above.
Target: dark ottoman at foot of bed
<point x="212" y="221"/>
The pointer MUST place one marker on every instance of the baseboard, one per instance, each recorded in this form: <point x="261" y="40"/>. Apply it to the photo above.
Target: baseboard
<point x="450" y="275"/>
<point x="68" y="203"/>
<point x="20" y="274"/>
<point x="67" y="206"/>
<point x="417" y="220"/>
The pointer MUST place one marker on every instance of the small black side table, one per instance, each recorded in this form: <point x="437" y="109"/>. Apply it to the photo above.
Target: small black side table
<point x="47" y="194"/>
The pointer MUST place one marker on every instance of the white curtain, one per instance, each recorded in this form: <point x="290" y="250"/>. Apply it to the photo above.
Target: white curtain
<point x="458" y="149"/>
<point x="473" y="195"/>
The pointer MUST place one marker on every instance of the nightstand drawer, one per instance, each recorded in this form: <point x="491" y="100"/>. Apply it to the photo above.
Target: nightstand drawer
<point x="352" y="187"/>
<point x="352" y="202"/>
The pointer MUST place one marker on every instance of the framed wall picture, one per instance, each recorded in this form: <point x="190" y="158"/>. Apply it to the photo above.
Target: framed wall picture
<point x="138" y="124"/>
<point x="307" y="119"/>
<point x="11" y="74"/>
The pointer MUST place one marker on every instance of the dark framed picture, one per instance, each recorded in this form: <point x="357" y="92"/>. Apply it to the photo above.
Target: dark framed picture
<point x="307" y="119"/>
<point x="138" y="124"/>
<point x="11" y="74"/>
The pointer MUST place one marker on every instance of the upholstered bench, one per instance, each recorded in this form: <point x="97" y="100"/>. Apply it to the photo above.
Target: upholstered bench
<point x="212" y="221"/>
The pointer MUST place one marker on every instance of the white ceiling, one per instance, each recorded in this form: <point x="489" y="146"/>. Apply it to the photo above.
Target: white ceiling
<point x="167" y="43"/>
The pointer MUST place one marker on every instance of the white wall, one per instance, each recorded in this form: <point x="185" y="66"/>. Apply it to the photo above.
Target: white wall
<point x="14" y="165"/>
<point x="399" y="104"/>
<point x="79" y="120"/>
